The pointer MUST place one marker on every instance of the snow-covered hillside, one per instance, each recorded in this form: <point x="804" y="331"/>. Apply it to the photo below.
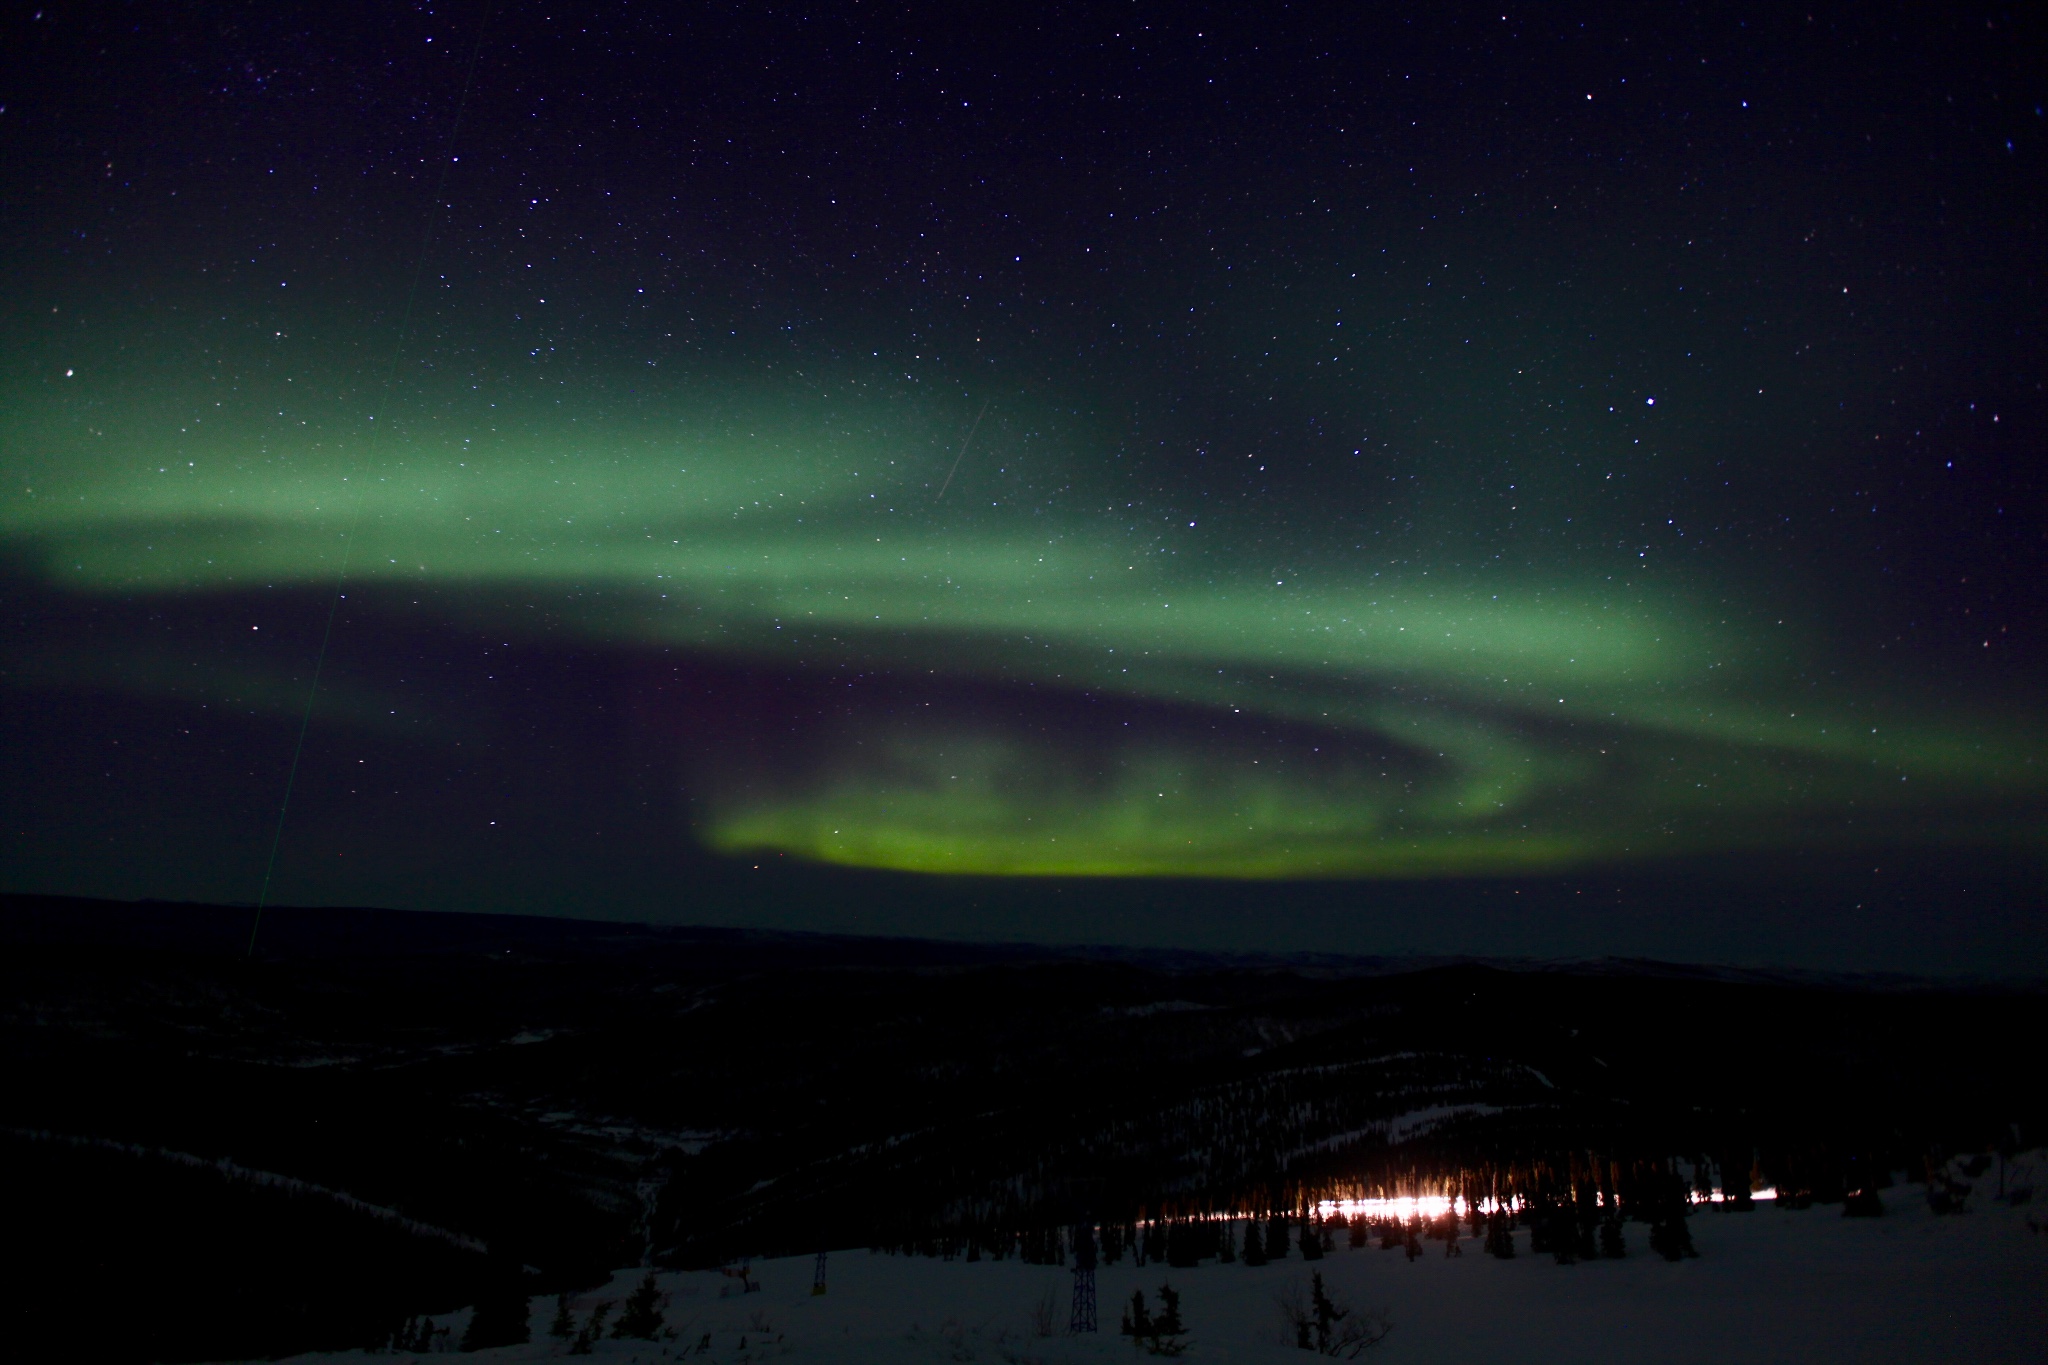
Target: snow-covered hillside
<point x="1769" y="1285"/>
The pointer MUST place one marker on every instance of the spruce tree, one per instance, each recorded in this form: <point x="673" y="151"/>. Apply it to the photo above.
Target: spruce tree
<point x="1671" y="1238"/>
<point x="1155" y="1240"/>
<point x="1276" y="1237"/>
<point x="1311" y="1242"/>
<point x="642" y="1317"/>
<point x="1254" y="1243"/>
<point x="1328" y="1314"/>
<point x="564" y="1324"/>
<point x="1736" y="1167"/>
<point x="591" y="1331"/>
<point x="1137" y="1317"/>
<point x="1168" y="1323"/>
<point x="1537" y="1216"/>
<point x="416" y="1335"/>
<point x="1563" y="1239"/>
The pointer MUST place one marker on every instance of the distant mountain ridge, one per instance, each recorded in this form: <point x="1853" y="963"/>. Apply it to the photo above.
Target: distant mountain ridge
<point x="201" y="927"/>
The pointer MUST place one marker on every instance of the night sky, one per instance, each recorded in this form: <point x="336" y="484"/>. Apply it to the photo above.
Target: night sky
<point x="1239" y="476"/>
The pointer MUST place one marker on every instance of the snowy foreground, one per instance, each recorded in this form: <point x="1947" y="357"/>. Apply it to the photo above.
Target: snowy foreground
<point x="1769" y="1285"/>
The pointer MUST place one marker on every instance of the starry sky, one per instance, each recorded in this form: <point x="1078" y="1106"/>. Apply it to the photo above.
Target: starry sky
<point x="1241" y="477"/>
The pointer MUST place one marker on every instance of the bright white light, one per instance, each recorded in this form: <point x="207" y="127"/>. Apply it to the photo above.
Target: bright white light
<point x="1430" y="1207"/>
<point x="1427" y="1206"/>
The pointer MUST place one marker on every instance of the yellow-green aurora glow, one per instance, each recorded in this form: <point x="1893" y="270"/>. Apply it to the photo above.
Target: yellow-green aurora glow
<point x="1368" y="715"/>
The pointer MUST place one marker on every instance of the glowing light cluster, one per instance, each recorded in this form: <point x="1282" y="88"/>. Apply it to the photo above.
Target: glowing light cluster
<point x="1428" y="1207"/>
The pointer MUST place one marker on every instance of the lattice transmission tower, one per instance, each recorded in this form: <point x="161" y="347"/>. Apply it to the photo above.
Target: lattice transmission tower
<point x="1083" y="1317"/>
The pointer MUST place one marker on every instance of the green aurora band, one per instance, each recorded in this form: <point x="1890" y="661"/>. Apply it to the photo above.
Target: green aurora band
<point x="1429" y="722"/>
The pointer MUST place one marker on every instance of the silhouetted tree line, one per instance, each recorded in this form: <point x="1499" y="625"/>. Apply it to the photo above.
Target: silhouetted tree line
<point x="1158" y="1183"/>
<point x="1572" y="1207"/>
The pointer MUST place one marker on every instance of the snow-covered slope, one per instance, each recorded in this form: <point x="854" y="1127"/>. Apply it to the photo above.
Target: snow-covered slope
<point x="1770" y="1285"/>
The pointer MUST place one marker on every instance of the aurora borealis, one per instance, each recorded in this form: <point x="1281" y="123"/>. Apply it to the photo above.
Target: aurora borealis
<point x="1447" y="727"/>
<point x="1466" y="486"/>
